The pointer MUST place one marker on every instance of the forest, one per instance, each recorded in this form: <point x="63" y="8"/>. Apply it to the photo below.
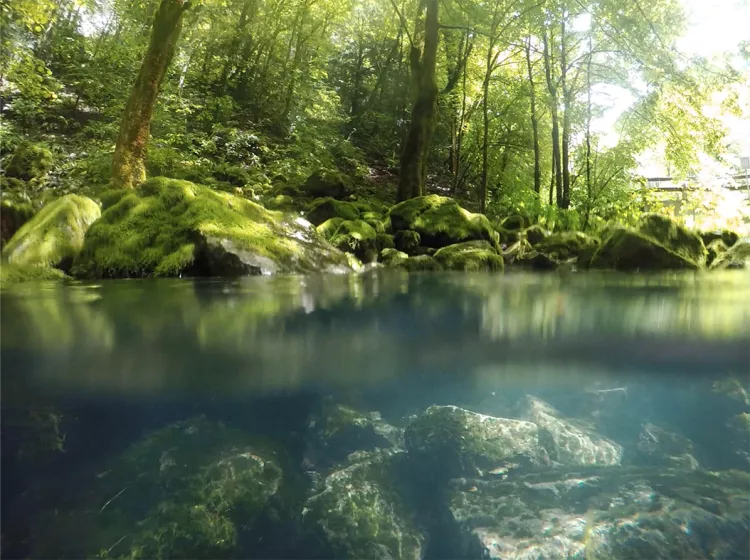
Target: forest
<point x="185" y="133"/>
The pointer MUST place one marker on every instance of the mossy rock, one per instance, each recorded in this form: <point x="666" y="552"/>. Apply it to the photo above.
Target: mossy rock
<point x="737" y="256"/>
<point x="470" y="256"/>
<point x="17" y="273"/>
<point x="729" y="237"/>
<point x="392" y="257"/>
<point x="516" y="222"/>
<point x="375" y="220"/>
<point x="327" y="183"/>
<point x="55" y="235"/>
<point x="440" y="221"/>
<point x="673" y="237"/>
<point x="714" y="249"/>
<point x="167" y="227"/>
<point x="29" y="161"/>
<point x="535" y="234"/>
<point x="328" y="228"/>
<point x="324" y="209"/>
<point x="566" y="245"/>
<point x="421" y="263"/>
<point x="282" y="202"/>
<point x="628" y="249"/>
<point x="357" y="511"/>
<point x="407" y="241"/>
<point x="12" y="217"/>
<point x="384" y="241"/>
<point x="358" y="237"/>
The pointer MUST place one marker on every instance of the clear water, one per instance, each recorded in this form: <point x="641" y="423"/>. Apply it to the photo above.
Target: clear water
<point x="91" y="369"/>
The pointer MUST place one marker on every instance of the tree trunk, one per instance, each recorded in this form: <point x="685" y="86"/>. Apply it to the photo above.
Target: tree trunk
<point x="534" y="121"/>
<point x="557" y="176"/>
<point x="589" y="193"/>
<point x="129" y="162"/>
<point x="416" y="146"/>
<point x="565" y="163"/>
<point x="485" y="136"/>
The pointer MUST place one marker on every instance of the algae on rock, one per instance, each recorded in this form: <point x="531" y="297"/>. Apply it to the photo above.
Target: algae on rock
<point x="323" y="209"/>
<point x="168" y="227"/>
<point x="470" y="256"/>
<point x="627" y="249"/>
<point x="356" y="236"/>
<point x="55" y="235"/>
<point x="674" y="237"/>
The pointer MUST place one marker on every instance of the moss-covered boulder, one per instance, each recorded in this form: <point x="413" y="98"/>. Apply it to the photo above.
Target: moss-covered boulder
<point x="516" y="222"/>
<point x="385" y="241"/>
<point x="392" y="257"/>
<point x="328" y="228"/>
<point x="618" y="514"/>
<point x="440" y="221"/>
<point x="167" y="227"/>
<point x="324" y="209"/>
<point x="673" y="237"/>
<point x="357" y="237"/>
<point x="375" y="220"/>
<point x="738" y="256"/>
<point x="336" y="431"/>
<point x="566" y="245"/>
<point x="12" y="217"/>
<point x="448" y="442"/>
<point x="55" y="235"/>
<point x="407" y="241"/>
<point x="421" y="263"/>
<point x="327" y="183"/>
<point x="565" y="441"/>
<point x="714" y="249"/>
<point x="628" y="249"/>
<point x="535" y="234"/>
<point x="281" y="202"/>
<point x="17" y="273"/>
<point x="29" y="161"/>
<point x="358" y="512"/>
<point x="470" y="256"/>
<point x="729" y="237"/>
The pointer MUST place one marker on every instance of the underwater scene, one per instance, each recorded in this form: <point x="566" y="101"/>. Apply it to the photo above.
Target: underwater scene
<point x="379" y="415"/>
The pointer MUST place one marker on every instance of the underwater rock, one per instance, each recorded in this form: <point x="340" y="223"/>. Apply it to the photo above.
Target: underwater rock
<point x="358" y="512"/>
<point x="55" y="235"/>
<point x="627" y="249"/>
<point x="657" y="446"/>
<point x="323" y="209"/>
<point x="323" y="183"/>
<point x="448" y="442"/>
<point x="565" y="442"/>
<point x="440" y="221"/>
<point x="470" y="256"/>
<point x="619" y="514"/>
<point x="337" y="431"/>
<point x="738" y="256"/>
<point x="167" y="227"/>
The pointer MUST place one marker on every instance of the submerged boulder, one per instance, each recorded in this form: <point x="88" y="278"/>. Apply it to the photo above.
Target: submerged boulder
<point x="358" y="512"/>
<point x="657" y="446"/>
<point x="470" y="256"/>
<point x="674" y="237"/>
<point x="324" y="209"/>
<point x="619" y="514"/>
<point x="627" y="249"/>
<point x="55" y="235"/>
<point x="326" y="183"/>
<point x="440" y="221"/>
<point x="737" y="256"/>
<point x="448" y="442"/>
<point x="167" y="227"/>
<point x="566" y="442"/>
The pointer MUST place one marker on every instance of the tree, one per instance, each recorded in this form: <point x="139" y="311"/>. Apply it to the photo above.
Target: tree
<point x="129" y="162"/>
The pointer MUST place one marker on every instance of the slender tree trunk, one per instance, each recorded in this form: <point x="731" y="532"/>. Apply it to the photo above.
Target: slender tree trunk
<point x="589" y="193"/>
<point x="534" y="121"/>
<point x="557" y="171"/>
<point x="129" y="162"/>
<point x="565" y="195"/>
<point x="416" y="146"/>
<point x="485" y="136"/>
<point x="460" y="135"/>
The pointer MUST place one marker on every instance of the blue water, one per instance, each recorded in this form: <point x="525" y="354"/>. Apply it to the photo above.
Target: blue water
<point x="90" y="369"/>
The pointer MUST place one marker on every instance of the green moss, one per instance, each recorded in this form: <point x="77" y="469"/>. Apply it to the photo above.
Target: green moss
<point x="280" y="202"/>
<point x="29" y="161"/>
<point x="324" y="209"/>
<point x="156" y="230"/>
<point x="375" y="220"/>
<point x="470" y="256"/>
<point x="328" y="228"/>
<point x="628" y="249"/>
<point x="385" y="241"/>
<point x="327" y="183"/>
<point x="566" y="245"/>
<point x="535" y="234"/>
<point x="674" y="237"/>
<point x="17" y="273"/>
<point x="392" y="257"/>
<point x="421" y="263"/>
<point x="55" y="235"/>
<point x="440" y="221"/>
<point x="407" y="241"/>
<point x="516" y="222"/>
<point x="12" y="216"/>
<point x="356" y="236"/>
<point x="738" y="256"/>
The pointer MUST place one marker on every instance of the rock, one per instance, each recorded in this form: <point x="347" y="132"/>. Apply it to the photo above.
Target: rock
<point x="674" y="237"/>
<point x="357" y="512"/>
<point x="375" y="220"/>
<point x="448" y="442"/>
<point x="167" y="227"/>
<point x="392" y="257"/>
<point x="421" y="263"/>
<point x="15" y="273"/>
<point x="470" y="256"/>
<point x="659" y="447"/>
<point x="516" y="222"/>
<point x="55" y="235"/>
<point x="738" y="256"/>
<point x="12" y="217"/>
<point x="281" y="202"/>
<point x="728" y="237"/>
<point x="618" y="514"/>
<point x="407" y="241"/>
<point x="714" y="249"/>
<point x="385" y="241"/>
<point x="356" y="236"/>
<point x="440" y="221"/>
<point x="29" y="162"/>
<point x="627" y="249"/>
<point x="337" y="431"/>
<point x="324" y="209"/>
<point x="565" y="442"/>
<point x="328" y="228"/>
<point x="566" y="245"/>
<point x="738" y="427"/>
<point x="193" y="489"/>
<point x="535" y="234"/>
<point x="324" y="183"/>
